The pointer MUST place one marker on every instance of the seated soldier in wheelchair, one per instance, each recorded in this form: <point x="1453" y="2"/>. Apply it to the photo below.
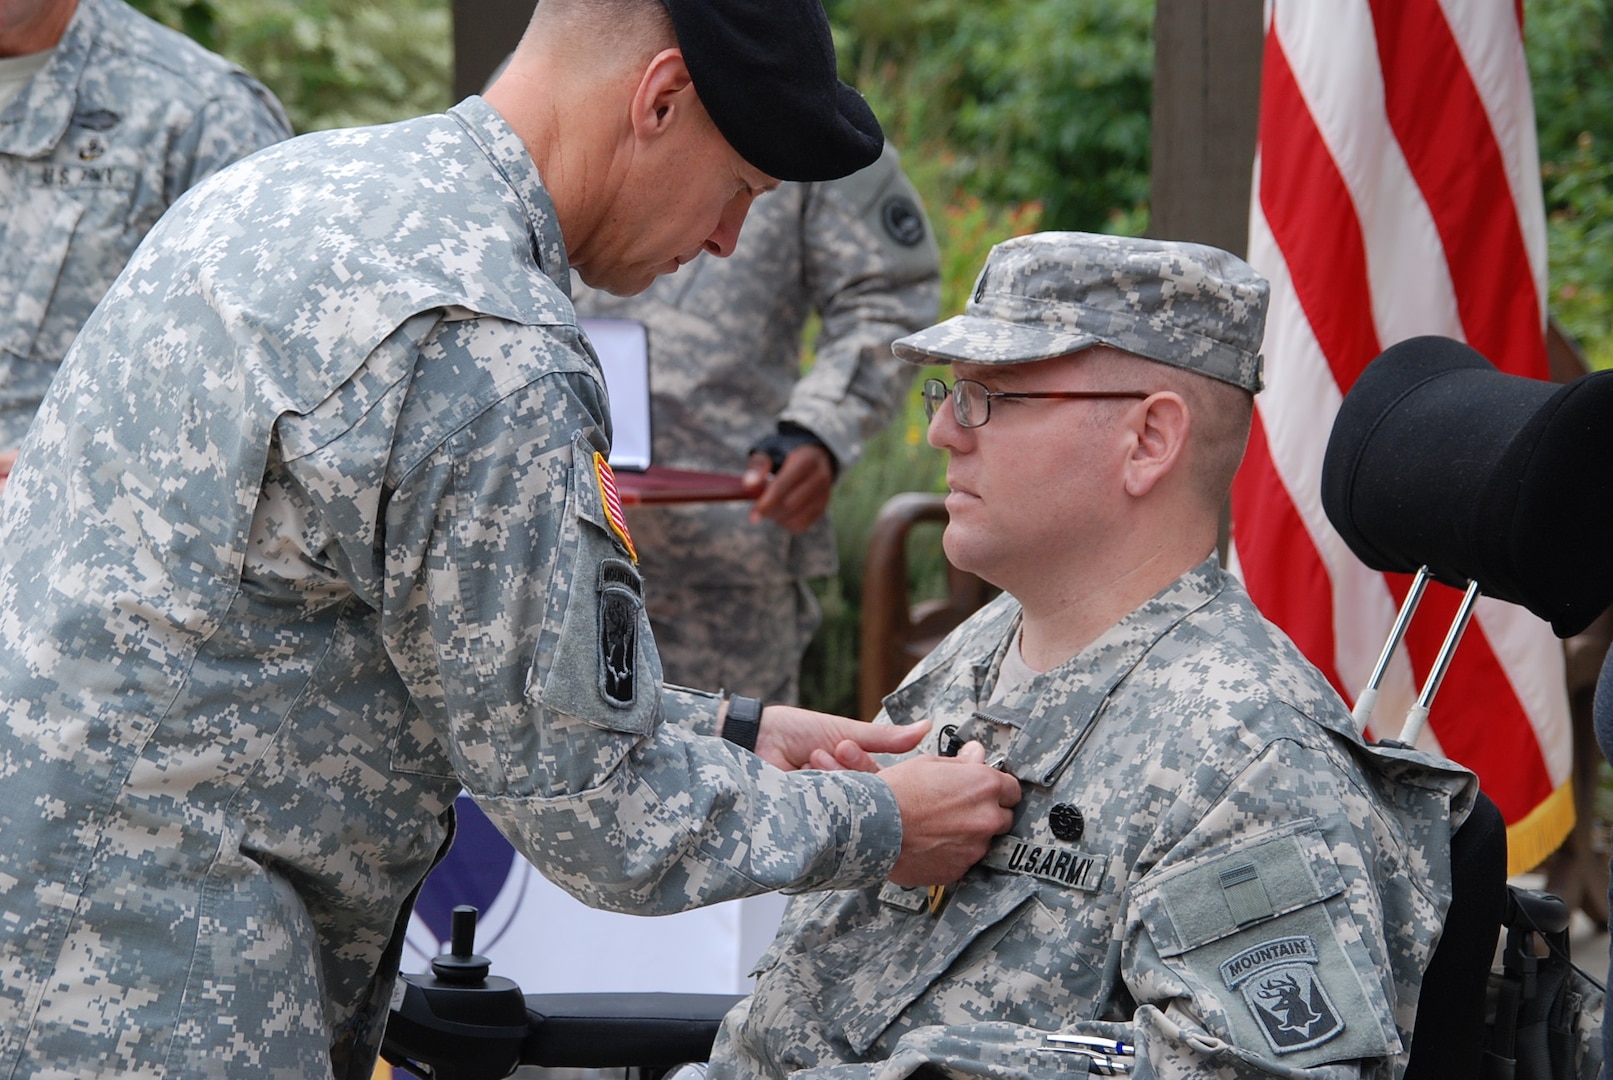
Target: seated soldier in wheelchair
<point x="1210" y="873"/>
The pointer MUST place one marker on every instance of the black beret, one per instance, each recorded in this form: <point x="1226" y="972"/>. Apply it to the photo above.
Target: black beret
<point x="765" y="71"/>
<point x="1438" y="458"/>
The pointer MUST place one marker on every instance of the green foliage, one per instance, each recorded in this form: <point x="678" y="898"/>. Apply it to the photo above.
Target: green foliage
<point x="332" y="63"/>
<point x="1579" y="229"/>
<point x="196" y="19"/>
<point x="967" y="229"/>
<point x="1567" y="45"/>
<point x="1020" y="101"/>
<point x="1567" y="42"/>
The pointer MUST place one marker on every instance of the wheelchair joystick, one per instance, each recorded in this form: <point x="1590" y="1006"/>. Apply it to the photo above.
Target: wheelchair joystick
<point x="459" y="1022"/>
<point x="460" y="966"/>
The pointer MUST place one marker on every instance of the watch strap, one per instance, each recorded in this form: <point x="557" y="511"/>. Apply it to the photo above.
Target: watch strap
<point x="743" y="721"/>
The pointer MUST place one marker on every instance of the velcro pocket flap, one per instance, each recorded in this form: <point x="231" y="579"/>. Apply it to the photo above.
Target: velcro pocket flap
<point x="1211" y="898"/>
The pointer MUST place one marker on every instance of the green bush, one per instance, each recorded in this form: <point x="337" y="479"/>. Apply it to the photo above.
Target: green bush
<point x="1016" y="101"/>
<point x="1567" y="43"/>
<point x="332" y="63"/>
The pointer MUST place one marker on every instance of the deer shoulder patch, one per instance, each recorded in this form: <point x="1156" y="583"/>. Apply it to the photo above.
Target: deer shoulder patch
<point x="1280" y="983"/>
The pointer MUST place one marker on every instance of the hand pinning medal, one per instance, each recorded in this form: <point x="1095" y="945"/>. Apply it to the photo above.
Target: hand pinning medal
<point x="951" y="743"/>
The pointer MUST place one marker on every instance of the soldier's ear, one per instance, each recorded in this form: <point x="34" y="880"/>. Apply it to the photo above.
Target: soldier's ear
<point x="1159" y="430"/>
<point x="665" y="94"/>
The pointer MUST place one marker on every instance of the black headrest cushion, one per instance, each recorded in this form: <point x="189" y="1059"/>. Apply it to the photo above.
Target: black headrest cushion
<point x="1438" y="458"/>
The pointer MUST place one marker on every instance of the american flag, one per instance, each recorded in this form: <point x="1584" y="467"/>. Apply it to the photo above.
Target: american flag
<point x="1397" y="193"/>
<point x="611" y="498"/>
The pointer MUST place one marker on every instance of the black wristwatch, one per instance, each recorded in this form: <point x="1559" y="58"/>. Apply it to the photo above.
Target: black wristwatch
<point x="743" y="722"/>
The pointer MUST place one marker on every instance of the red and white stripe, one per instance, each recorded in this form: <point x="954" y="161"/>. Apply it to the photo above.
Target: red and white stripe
<point x="1397" y="193"/>
<point x="611" y="498"/>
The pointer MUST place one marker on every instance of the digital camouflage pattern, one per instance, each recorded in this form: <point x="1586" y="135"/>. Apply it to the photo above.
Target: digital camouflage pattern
<point x="1054" y="293"/>
<point x="1207" y="864"/>
<point x="728" y="599"/>
<point x="308" y="535"/>
<point x="125" y="117"/>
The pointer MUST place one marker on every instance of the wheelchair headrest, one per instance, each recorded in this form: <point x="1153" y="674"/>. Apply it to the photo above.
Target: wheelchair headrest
<point x="1436" y="458"/>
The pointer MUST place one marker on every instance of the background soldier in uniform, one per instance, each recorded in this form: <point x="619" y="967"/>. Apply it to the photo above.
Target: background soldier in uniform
<point x="106" y="118"/>
<point x="729" y="599"/>
<point x="1209" y="875"/>
<point x="314" y="527"/>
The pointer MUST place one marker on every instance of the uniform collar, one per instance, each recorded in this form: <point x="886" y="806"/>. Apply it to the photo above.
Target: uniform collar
<point x="1054" y="710"/>
<point x="509" y="156"/>
<point x="36" y="119"/>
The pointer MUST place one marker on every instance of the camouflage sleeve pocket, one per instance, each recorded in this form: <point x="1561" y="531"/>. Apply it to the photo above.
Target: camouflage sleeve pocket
<point x="1262" y="935"/>
<point x="603" y="669"/>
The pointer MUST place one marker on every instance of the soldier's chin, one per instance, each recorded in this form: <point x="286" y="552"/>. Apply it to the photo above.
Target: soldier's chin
<point x="624" y="281"/>
<point x="968" y="552"/>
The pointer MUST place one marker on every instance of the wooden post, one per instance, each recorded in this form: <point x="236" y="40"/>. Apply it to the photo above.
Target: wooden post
<point x="1206" y="113"/>
<point x="1206" y="110"/>
<point x="485" y="32"/>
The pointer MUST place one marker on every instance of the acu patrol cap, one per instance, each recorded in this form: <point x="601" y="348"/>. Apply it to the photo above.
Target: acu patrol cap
<point x="1054" y="293"/>
<point x="766" y="74"/>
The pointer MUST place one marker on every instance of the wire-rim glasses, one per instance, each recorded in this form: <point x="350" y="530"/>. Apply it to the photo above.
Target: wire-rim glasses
<point x="971" y="401"/>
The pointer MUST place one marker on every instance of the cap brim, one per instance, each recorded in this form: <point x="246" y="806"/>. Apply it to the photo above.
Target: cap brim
<point x="970" y="339"/>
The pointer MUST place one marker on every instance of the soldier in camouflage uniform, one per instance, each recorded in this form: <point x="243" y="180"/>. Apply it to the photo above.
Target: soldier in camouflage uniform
<point x="106" y="118"/>
<point x="314" y="528"/>
<point x="1210" y="874"/>
<point x="729" y="599"/>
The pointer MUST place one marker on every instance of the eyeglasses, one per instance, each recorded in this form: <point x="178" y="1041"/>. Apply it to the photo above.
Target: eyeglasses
<point x="971" y="401"/>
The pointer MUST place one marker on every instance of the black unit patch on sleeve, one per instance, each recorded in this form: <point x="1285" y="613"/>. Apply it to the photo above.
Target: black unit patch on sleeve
<point x="620" y="601"/>
<point x="902" y="220"/>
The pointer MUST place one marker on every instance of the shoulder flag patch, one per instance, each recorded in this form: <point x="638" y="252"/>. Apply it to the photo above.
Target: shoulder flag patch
<point x="612" y="500"/>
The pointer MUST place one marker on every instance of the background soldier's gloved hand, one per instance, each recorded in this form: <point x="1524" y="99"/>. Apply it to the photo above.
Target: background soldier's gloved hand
<point x="795" y="473"/>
